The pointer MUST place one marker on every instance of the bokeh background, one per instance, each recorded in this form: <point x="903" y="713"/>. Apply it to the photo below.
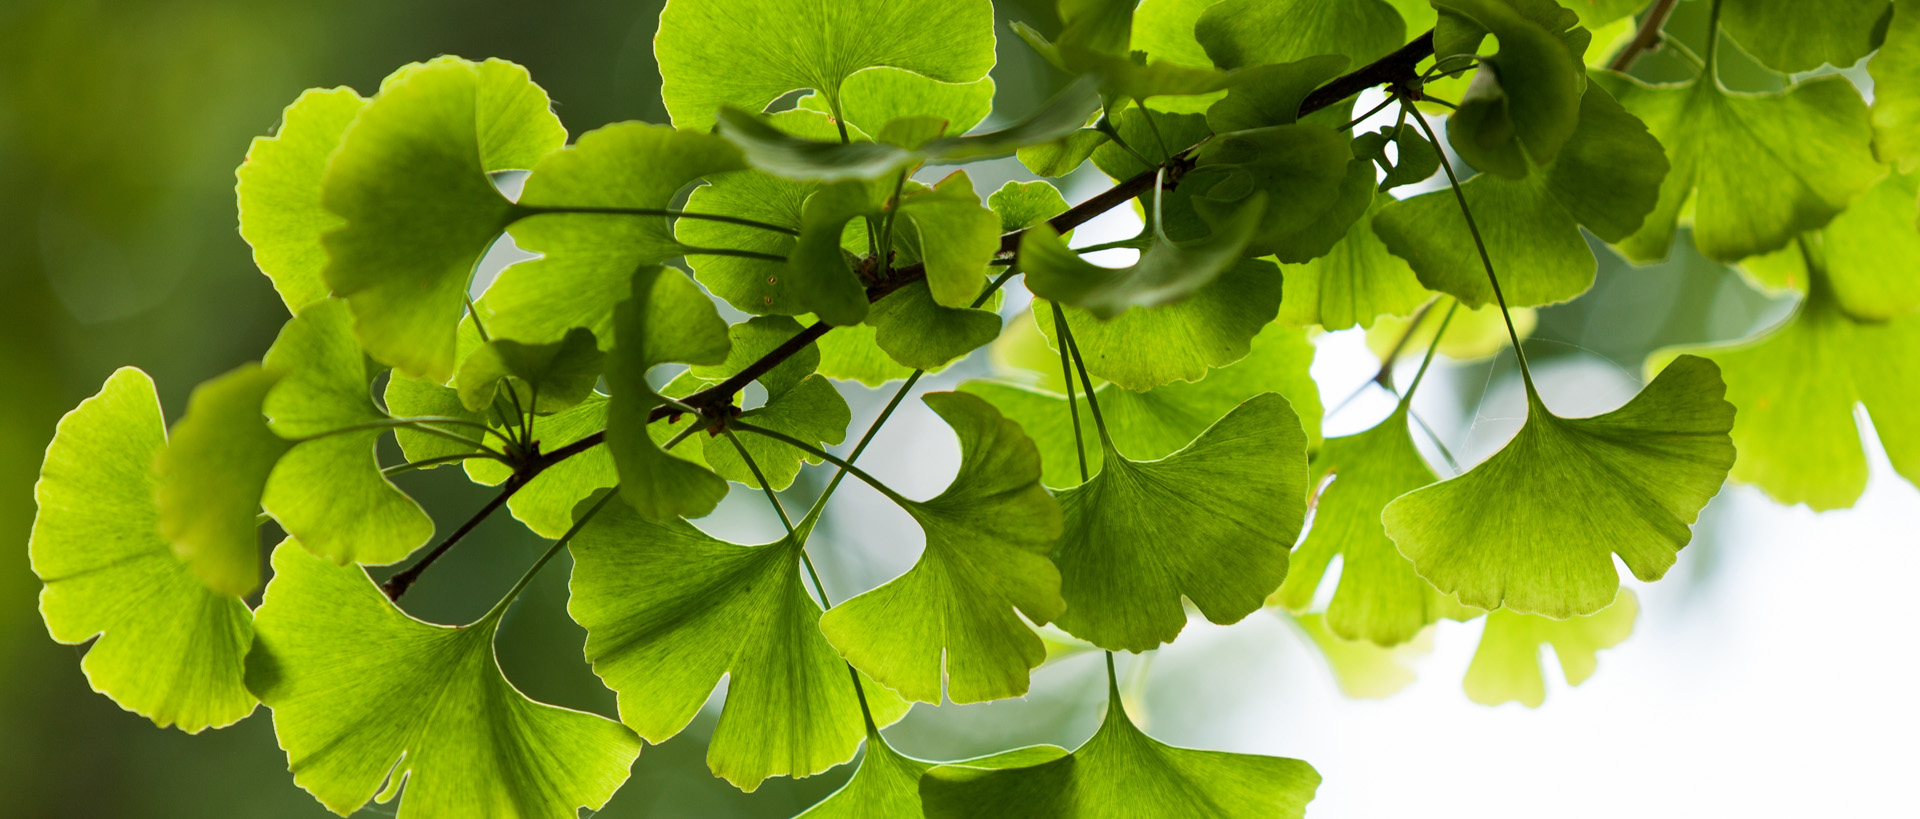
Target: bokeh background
<point x="1770" y="675"/>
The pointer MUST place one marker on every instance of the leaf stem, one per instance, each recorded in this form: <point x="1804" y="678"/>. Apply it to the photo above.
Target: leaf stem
<point x="727" y="251"/>
<point x="1383" y="376"/>
<point x="1093" y="404"/>
<point x="1391" y="99"/>
<point x="754" y="467"/>
<point x="1453" y="181"/>
<point x="824" y="455"/>
<point x="527" y="212"/>
<point x="425" y="463"/>
<point x="399" y="583"/>
<point x="1073" y="411"/>
<point x="1713" y="42"/>
<point x="1433" y="347"/>
<point x="527" y="577"/>
<point x="1645" y="38"/>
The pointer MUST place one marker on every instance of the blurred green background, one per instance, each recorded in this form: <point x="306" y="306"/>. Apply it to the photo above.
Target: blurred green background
<point x="120" y="126"/>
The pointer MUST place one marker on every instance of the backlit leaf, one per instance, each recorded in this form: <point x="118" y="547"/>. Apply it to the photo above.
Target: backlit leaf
<point x="1240" y="33"/>
<point x="666" y="319"/>
<point x="1506" y="667"/>
<point x="1145" y="348"/>
<point x="1354" y="283"/>
<point x="1794" y="37"/>
<point x="211" y="475"/>
<point x="1896" y="89"/>
<point x="279" y="193"/>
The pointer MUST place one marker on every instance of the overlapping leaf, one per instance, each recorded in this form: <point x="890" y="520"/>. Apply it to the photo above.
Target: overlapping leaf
<point x="987" y="539"/>
<point x="1362" y="669"/>
<point x="1356" y="281"/>
<point x="1535" y="527"/>
<point x="798" y="403"/>
<point x="1525" y="100"/>
<point x="1146" y="348"/>
<point x="666" y="319"/>
<point x="544" y="377"/>
<point x="1795" y="37"/>
<point x="1896" y="89"/>
<point x="1865" y="255"/>
<point x="368" y="702"/>
<point x="279" y="193"/>
<point x="1241" y="33"/>
<point x="410" y="182"/>
<point x="669" y="610"/>
<point x="168" y="648"/>
<point x="1506" y="667"/>
<point x="1167" y="271"/>
<point x="886" y="786"/>
<point x="211" y="475"/>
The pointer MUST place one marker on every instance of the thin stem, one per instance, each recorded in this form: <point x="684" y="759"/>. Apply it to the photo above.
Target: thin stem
<point x="727" y="251"/>
<point x="1146" y="113"/>
<point x="754" y="467"/>
<point x="1485" y="260"/>
<point x="1432" y="348"/>
<point x="1686" y="54"/>
<point x="474" y="311"/>
<point x="1113" y="687"/>
<point x="824" y="455"/>
<point x="426" y="463"/>
<point x="872" y="430"/>
<point x="416" y="424"/>
<point x="1383" y="377"/>
<point x="1093" y="403"/>
<point x="1437" y="443"/>
<point x="1424" y="97"/>
<point x="526" y="212"/>
<point x="527" y="577"/>
<point x="1645" y="38"/>
<point x="1713" y="42"/>
<point x="884" y="253"/>
<point x="1073" y="411"/>
<point x="399" y="583"/>
<point x="1391" y="99"/>
<point x="681" y="436"/>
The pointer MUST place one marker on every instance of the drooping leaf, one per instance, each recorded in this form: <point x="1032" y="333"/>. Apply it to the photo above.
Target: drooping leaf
<point x="211" y="475"/>
<point x="327" y="491"/>
<point x="1528" y="94"/>
<point x="756" y="286"/>
<point x="1379" y="597"/>
<point x="1354" y="283"/>
<point x="587" y="259"/>
<point x="666" y="319"/>
<point x="1757" y="168"/>
<point x="1133" y="545"/>
<point x="279" y="193"/>
<point x="1146" y="348"/>
<point x="1506" y="667"/>
<point x="1161" y="421"/>
<point x="886" y="786"/>
<point x="955" y="236"/>
<point x="1607" y="178"/>
<point x="1536" y="526"/>
<point x="369" y="702"/>
<point x="1240" y="33"/>
<point x="544" y="377"/>
<point x="669" y="610"/>
<point x="1302" y="180"/>
<point x="987" y="537"/>
<point x="919" y="333"/>
<point x="1120" y="773"/>
<point x="1269" y="95"/>
<point x="1896" y="89"/>
<point x="872" y="98"/>
<point x="1795" y="388"/>
<point x="1166" y="273"/>
<point x="1363" y="670"/>
<point x="1794" y="37"/>
<point x="410" y="182"/>
<point x="1416" y="159"/>
<point x="819" y="273"/>
<point x="169" y="648"/>
<point x="765" y="58"/>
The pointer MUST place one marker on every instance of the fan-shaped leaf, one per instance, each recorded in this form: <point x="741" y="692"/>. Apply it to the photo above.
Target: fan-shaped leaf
<point x="279" y="193"/>
<point x="1794" y="37"/>
<point x="1146" y="348"/>
<point x="1506" y="667"/>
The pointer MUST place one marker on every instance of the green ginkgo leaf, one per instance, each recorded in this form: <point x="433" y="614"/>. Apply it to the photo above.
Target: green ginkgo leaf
<point x="819" y="273"/>
<point x="1167" y="271"/>
<point x="572" y="216"/>
<point x="410" y="397"/>
<point x="666" y="319"/>
<point x="1161" y="421"/>
<point x="410" y="182"/>
<point x="1529" y="92"/>
<point x="918" y="333"/>
<point x="544" y="377"/>
<point x="1379" y="597"/>
<point x="1795" y="37"/>
<point x="1270" y="95"/>
<point x="755" y="285"/>
<point x="1607" y="178"/>
<point x="211" y="475"/>
<point x="1796" y="387"/>
<point x="872" y="98"/>
<point x="546" y="504"/>
<point x="1362" y="669"/>
<point x="669" y="610"/>
<point x="279" y="193"/>
<point x="169" y="648"/>
<point x="1241" y="33"/>
<point x="987" y="538"/>
<point x="368" y="702"/>
<point x="1865" y="255"/>
<point x="1147" y="348"/>
<point x="1896" y="89"/>
<point x="1131" y="548"/>
<point x="1758" y="169"/>
<point x="1357" y="281"/>
<point x="327" y="491"/>
<point x="756" y="40"/>
<point x="1120" y="773"/>
<point x="1506" y="667"/>
<point x="1535" y="527"/>
<point x="1311" y="184"/>
<point x="1415" y="159"/>
<point x="798" y="403"/>
<point x="955" y="237"/>
<point x="886" y="786"/>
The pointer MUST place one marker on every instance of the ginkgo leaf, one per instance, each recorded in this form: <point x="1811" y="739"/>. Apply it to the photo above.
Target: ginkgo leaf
<point x="886" y="786"/>
<point x="1607" y="178"/>
<point x="1896" y="89"/>
<point x="1146" y="348"/>
<point x="410" y="182"/>
<point x="1757" y="168"/>
<point x="798" y="403"/>
<point x="1363" y="670"/>
<point x="410" y="397"/>
<point x="1240" y="33"/>
<point x="1064" y="155"/>
<point x="853" y="354"/>
<point x="1301" y="179"/>
<point x="1379" y="597"/>
<point x="754" y="285"/>
<point x="1506" y="667"/>
<point x="545" y="377"/>
<point x="1161" y="421"/>
<point x="987" y="538"/>
<point x="872" y="98"/>
<point x="369" y="702"/>
<point x="1529" y="92"/>
<point x="818" y="273"/>
<point x="1356" y="281"/>
<point x="279" y="193"/>
<point x="1536" y="526"/>
<point x="1796" y="387"/>
<point x="1131" y="548"/>
<point x="945" y="40"/>
<point x="1864" y="255"/>
<point x="211" y="475"/>
<point x="666" y="319"/>
<point x="921" y="334"/>
<point x="169" y="648"/>
<point x="1120" y="773"/>
<point x="955" y="236"/>
<point x="1167" y="271"/>
<point x="669" y="610"/>
<point x="1271" y="94"/>
<point x="327" y="491"/>
<point x="589" y="249"/>
<point x="1795" y="37"/>
<point x="546" y="504"/>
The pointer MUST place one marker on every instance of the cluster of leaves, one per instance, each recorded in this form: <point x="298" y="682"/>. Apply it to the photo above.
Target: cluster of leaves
<point x="1232" y="123"/>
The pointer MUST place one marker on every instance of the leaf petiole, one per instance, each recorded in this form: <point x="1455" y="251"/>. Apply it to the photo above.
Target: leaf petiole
<point x="824" y="455"/>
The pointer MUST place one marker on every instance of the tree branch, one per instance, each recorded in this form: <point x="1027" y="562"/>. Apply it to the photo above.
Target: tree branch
<point x="1646" y="38"/>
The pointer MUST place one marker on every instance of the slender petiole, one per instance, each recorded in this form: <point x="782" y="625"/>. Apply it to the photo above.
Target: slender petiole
<point x="824" y="455"/>
<point x="526" y="212"/>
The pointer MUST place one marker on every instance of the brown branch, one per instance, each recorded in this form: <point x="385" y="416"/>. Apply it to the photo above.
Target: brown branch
<point x="399" y="583"/>
<point x="1646" y="38"/>
<point x="1398" y="67"/>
